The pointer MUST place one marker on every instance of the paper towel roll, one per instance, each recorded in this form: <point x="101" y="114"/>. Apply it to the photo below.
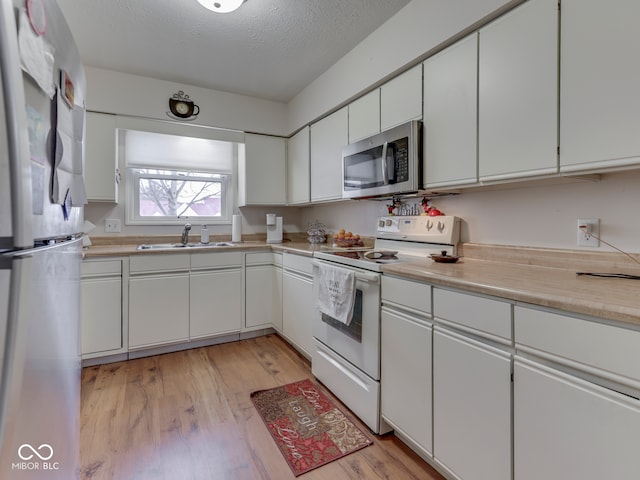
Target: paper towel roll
<point x="236" y="228"/>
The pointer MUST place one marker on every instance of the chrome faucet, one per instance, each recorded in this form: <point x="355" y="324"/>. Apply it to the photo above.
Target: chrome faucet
<point x="185" y="234"/>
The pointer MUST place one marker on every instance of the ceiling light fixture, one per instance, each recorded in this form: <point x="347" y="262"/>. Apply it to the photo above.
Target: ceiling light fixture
<point x="221" y="6"/>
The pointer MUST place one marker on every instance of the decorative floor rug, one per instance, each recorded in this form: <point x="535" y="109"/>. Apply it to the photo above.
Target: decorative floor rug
<point x="307" y="427"/>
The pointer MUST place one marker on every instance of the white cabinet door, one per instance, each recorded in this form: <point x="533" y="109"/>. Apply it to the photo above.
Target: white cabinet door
<point x="518" y="93"/>
<point x="599" y="78"/>
<point x="364" y="116"/>
<point x="401" y="99"/>
<point x="406" y="377"/>
<point x="262" y="174"/>
<point x="450" y="115"/>
<point x="101" y="314"/>
<point x="101" y="175"/>
<point x="215" y="301"/>
<point x="276" y="319"/>
<point x="158" y="310"/>
<point x="298" y="181"/>
<point x="565" y="427"/>
<point x="297" y="309"/>
<point x="328" y="136"/>
<point x="260" y="296"/>
<point x="471" y="407"/>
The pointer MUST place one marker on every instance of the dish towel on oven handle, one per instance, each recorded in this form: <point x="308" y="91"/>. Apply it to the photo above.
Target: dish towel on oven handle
<point x="335" y="292"/>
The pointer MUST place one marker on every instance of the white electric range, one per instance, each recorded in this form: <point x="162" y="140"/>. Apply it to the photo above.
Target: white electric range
<point x="346" y="358"/>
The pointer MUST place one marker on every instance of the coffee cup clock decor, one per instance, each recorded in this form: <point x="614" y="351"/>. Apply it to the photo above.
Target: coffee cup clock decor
<point x="181" y="107"/>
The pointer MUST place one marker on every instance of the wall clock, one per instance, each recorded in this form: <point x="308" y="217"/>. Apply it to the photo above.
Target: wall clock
<point x="182" y="107"/>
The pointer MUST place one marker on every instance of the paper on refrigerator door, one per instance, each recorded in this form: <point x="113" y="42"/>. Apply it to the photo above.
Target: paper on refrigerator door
<point x="36" y="55"/>
<point x="68" y="180"/>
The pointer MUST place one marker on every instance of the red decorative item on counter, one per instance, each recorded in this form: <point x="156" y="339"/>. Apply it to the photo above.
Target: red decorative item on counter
<point x="429" y="210"/>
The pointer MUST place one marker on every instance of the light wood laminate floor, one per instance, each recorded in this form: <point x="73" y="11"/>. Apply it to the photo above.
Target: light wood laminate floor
<point x="188" y="416"/>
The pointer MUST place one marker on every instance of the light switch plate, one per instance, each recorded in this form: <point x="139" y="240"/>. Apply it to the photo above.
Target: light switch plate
<point x="112" y="225"/>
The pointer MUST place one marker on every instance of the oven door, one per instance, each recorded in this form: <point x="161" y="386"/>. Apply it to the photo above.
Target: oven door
<point x="359" y="343"/>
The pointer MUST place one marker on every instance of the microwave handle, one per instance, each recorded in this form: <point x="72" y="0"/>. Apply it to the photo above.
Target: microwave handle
<point x="385" y="173"/>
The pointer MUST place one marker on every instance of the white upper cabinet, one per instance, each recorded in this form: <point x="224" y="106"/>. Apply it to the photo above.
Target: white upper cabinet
<point x="599" y="79"/>
<point x="101" y="174"/>
<point x="401" y="99"/>
<point x="328" y="136"/>
<point x="450" y="115"/>
<point x="518" y="93"/>
<point x="262" y="172"/>
<point x="364" y="116"/>
<point x="298" y="182"/>
<point x="394" y="103"/>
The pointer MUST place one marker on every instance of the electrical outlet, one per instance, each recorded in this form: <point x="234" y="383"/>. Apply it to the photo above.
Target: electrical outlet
<point x="112" y="225"/>
<point x="587" y="228"/>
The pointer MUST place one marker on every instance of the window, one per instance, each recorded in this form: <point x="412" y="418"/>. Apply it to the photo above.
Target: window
<point x="171" y="194"/>
<point x="174" y="178"/>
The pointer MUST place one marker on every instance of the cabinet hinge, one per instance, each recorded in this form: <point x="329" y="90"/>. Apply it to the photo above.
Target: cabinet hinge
<point x="511" y="377"/>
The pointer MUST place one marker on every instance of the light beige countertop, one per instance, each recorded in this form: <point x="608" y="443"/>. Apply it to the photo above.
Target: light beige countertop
<point x="543" y="277"/>
<point x="539" y="276"/>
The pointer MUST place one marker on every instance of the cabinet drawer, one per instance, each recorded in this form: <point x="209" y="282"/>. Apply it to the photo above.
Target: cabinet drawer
<point x="216" y="259"/>
<point x="477" y="313"/>
<point x="298" y="262"/>
<point x="101" y="268"/>
<point x="158" y="263"/>
<point x="416" y="296"/>
<point x="605" y="347"/>
<point x="261" y="258"/>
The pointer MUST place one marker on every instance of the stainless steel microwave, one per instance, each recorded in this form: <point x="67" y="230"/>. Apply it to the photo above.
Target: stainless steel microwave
<point x="388" y="163"/>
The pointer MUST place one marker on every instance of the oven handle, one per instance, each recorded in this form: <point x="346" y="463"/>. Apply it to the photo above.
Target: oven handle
<point x="363" y="277"/>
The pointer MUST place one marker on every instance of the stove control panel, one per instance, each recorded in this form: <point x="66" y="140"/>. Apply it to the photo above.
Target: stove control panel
<point x="441" y="229"/>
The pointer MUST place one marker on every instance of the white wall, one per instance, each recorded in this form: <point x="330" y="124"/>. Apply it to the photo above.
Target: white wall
<point x="114" y="92"/>
<point x="417" y="29"/>
<point x="125" y="94"/>
<point x="538" y="216"/>
<point x="543" y="215"/>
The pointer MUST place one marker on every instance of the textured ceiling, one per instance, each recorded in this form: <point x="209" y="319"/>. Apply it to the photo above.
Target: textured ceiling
<point x="269" y="49"/>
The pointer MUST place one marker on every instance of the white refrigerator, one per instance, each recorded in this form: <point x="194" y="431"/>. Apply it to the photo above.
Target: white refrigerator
<point x="41" y="215"/>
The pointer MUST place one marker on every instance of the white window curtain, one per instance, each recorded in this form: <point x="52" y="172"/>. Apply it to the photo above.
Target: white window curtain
<point x="162" y="151"/>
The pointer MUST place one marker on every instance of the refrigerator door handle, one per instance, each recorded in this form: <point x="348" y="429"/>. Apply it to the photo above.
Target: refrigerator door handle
<point x="16" y="270"/>
<point x="16" y="127"/>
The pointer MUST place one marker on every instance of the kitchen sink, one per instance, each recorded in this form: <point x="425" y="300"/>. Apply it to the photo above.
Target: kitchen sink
<point x="171" y="246"/>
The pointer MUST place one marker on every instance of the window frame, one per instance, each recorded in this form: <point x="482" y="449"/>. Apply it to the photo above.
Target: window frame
<point x="127" y="181"/>
<point x="133" y="199"/>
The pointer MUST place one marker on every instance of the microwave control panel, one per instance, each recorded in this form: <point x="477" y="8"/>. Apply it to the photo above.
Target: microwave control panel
<point x="402" y="160"/>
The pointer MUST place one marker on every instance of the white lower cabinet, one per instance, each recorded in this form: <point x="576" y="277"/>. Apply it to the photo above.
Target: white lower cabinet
<point x="158" y="309"/>
<point x="158" y="300"/>
<point x="298" y="302"/>
<point x="576" y="397"/>
<point x="214" y="303"/>
<point x="566" y="427"/>
<point x="471" y="407"/>
<point x="101" y="308"/>
<point x="406" y="377"/>
<point x="263" y="290"/>
<point x="215" y="294"/>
